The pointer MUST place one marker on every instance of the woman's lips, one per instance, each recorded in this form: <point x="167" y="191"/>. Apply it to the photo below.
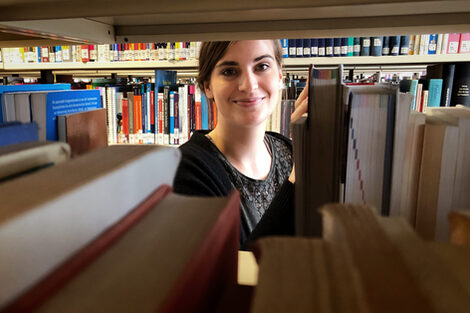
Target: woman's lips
<point x="249" y="101"/>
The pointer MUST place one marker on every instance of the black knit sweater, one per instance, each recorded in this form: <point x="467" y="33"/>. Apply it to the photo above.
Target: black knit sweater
<point x="201" y="173"/>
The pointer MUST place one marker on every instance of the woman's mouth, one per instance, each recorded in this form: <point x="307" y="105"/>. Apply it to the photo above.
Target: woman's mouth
<point x="248" y="102"/>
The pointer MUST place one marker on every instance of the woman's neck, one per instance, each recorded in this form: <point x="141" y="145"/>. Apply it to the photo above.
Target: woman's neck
<point x="244" y="148"/>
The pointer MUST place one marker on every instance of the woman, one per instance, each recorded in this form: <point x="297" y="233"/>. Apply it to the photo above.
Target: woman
<point x="244" y="78"/>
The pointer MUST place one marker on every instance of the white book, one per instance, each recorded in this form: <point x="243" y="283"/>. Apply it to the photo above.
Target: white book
<point x="445" y="42"/>
<point x="70" y="204"/>
<point x="440" y="38"/>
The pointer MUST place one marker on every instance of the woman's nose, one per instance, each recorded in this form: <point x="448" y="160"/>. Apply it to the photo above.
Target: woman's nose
<point x="248" y="81"/>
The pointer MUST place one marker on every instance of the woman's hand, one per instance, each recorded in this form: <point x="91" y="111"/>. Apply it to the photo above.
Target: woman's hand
<point x="301" y="105"/>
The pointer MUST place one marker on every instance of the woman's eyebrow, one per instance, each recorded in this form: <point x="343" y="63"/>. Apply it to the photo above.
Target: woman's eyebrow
<point x="263" y="56"/>
<point x="227" y="63"/>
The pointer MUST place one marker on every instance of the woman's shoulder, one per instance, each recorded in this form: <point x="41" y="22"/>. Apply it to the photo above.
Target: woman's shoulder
<point x="280" y="138"/>
<point x="200" y="172"/>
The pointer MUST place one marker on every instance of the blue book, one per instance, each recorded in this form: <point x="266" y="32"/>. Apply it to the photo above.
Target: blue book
<point x="386" y="45"/>
<point x="299" y="46"/>
<point x="337" y="47"/>
<point x="376" y="48"/>
<point x="394" y="45"/>
<point x="357" y="47"/>
<point x="314" y="47"/>
<point x="16" y="132"/>
<point x="39" y="54"/>
<point x="172" y="117"/>
<point x="413" y="91"/>
<point x="307" y="48"/>
<point x="435" y="90"/>
<point x="405" y="44"/>
<point x="350" y="46"/>
<point x="285" y="48"/>
<point x="292" y="48"/>
<point x="164" y="78"/>
<point x="365" y="46"/>
<point x="432" y="44"/>
<point x="344" y="46"/>
<point x="38" y="87"/>
<point x="204" y="112"/>
<point x="46" y="106"/>
<point x="321" y="47"/>
<point x="329" y="44"/>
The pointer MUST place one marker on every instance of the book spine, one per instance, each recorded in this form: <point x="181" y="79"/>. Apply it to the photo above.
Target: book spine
<point x="176" y="132"/>
<point x="314" y="47"/>
<point x="365" y="46"/>
<point x="285" y="48"/>
<point x="350" y="46"/>
<point x="376" y="49"/>
<point x="329" y="47"/>
<point x="453" y="46"/>
<point x="307" y="48"/>
<point x="321" y="47"/>
<point x="432" y="47"/>
<point x="292" y="48"/>
<point x="394" y="45"/>
<point x="299" y="48"/>
<point x="435" y="90"/>
<point x="404" y="45"/>
<point x="464" y="46"/>
<point x="337" y="47"/>
<point x="357" y="46"/>
<point x="172" y="117"/>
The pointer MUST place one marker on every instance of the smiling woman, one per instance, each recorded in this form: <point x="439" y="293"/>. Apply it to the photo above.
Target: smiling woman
<point x="244" y="79"/>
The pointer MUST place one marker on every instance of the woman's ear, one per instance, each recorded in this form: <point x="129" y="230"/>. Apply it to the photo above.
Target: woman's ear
<point x="208" y="91"/>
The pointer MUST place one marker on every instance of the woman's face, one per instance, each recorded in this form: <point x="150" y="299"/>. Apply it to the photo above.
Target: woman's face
<point x="245" y="83"/>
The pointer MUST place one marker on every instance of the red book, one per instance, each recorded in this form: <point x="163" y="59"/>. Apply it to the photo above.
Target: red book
<point x="85" y="53"/>
<point x="44" y="54"/>
<point x="152" y="108"/>
<point x="453" y="43"/>
<point x="160" y="113"/>
<point x="125" y="117"/>
<point x="464" y="45"/>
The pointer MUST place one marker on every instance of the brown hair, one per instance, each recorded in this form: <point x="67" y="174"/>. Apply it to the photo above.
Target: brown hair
<point x="212" y="51"/>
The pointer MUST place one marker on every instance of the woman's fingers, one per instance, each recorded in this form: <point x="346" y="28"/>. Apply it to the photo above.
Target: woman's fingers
<point x="303" y="95"/>
<point x="300" y="110"/>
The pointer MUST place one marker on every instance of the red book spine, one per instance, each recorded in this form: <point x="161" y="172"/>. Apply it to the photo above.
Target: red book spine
<point x="152" y="108"/>
<point x="85" y="53"/>
<point x="125" y="117"/>
<point x="198" y="116"/>
<point x="52" y="283"/>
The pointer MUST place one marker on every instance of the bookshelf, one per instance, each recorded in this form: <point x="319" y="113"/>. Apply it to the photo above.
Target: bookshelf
<point x="192" y="64"/>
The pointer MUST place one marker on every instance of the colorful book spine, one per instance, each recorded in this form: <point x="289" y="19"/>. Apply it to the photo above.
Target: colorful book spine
<point x="464" y="44"/>
<point x="435" y="90"/>
<point x="350" y="46"/>
<point x="285" y="48"/>
<point x="432" y="46"/>
<point x="453" y="43"/>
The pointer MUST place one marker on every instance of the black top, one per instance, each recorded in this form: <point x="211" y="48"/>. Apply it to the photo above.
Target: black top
<point x="203" y="171"/>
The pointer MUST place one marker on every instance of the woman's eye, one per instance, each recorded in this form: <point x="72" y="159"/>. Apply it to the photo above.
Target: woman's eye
<point x="262" y="67"/>
<point x="229" y="72"/>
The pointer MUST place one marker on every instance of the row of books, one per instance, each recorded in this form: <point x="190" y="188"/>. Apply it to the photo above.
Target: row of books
<point x="380" y="153"/>
<point x="173" y="51"/>
<point x="423" y="44"/>
<point x="444" y="85"/>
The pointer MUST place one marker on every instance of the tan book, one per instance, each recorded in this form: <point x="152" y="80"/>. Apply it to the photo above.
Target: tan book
<point x="48" y="215"/>
<point x="460" y="227"/>
<point x="436" y="181"/>
<point x="305" y="275"/>
<point x="24" y="157"/>
<point x="83" y="131"/>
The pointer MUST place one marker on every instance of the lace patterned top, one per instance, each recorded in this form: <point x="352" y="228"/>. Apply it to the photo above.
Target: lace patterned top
<point x="256" y="195"/>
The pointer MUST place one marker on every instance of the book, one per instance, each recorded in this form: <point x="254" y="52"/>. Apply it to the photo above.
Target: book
<point x="29" y="87"/>
<point x="376" y="48"/>
<point x="203" y="261"/>
<point x="386" y="45"/>
<point x="404" y="44"/>
<point x="464" y="44"/>
<point x="318" y="175"/>
<point x="83" y="131"/>
<point x="459" y="221"/>
<point x="357" y="46"/>
<point x="16" y="132"/>
<point x="444" y="71"/>
<point x="26" y="157"/>
<point x="70" y="204"/>
<point x="394" y="45"/>
<point x="461" y="83"/>
<point x="436" y="181"/>
<point x="365" y="46"/>
<point x="453" y="43"/>
<point x="432" y="46"/>
<point x="292" y="48"/>
<point x="45" y="106"/>
<point x="435" y="92"/>
<point x="371" y="131"/>
<point x="329" y="47"/>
